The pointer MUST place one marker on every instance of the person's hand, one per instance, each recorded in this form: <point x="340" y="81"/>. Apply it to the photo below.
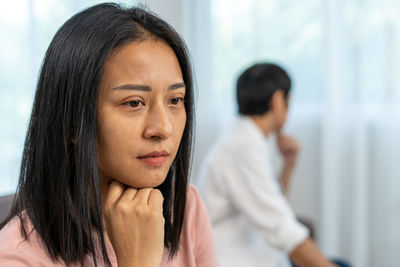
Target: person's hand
<point x="135" y="225"/>
<point x="289" y="149"/>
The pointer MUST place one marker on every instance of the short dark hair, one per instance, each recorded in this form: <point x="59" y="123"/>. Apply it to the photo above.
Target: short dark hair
<point x="257" y="84"/>
<point x="58" y="187"/>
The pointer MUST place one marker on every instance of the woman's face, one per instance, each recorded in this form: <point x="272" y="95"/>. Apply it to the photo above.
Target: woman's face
<point x="141" y="114"/>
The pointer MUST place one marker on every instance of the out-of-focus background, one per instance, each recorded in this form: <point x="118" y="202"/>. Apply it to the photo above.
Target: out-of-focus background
<point x="344" y="58"/>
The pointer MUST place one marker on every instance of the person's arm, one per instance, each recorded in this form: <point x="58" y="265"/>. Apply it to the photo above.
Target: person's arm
<point x="307" y="254"/>
<point x="285" y="178"/>
<point x="255" y="193"/>
<point x="289" y="149"/>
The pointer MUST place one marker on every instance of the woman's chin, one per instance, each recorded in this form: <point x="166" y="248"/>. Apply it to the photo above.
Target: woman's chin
<point x="150" y="180"/>
<point x="144" y="184"/>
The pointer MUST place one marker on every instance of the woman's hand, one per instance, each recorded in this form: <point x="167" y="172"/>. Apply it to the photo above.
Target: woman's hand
<point x="135" y="225"/>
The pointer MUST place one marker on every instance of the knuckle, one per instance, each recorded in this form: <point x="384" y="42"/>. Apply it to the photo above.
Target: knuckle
<point x="140" y="211"/>
<point x="158" y="193"/>
<point x="122" y="208"/>
<point x="157" y="217"/>
<point x="154" y="214"/>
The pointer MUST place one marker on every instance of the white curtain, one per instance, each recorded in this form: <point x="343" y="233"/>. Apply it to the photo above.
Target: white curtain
<point x="344" y="57"/>
<point x="360" y="132"/>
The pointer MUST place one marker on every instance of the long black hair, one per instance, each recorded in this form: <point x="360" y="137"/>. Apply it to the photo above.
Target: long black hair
<point x="58" y="186"/>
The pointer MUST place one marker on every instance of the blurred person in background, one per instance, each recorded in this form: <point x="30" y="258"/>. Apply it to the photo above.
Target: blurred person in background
<point x="252" y="220"/>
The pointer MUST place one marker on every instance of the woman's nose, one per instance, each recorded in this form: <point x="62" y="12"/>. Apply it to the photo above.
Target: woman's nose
<point x="158" y="126"/>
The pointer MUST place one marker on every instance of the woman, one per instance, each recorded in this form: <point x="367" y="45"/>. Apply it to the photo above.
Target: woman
<point x="112" y="119"/>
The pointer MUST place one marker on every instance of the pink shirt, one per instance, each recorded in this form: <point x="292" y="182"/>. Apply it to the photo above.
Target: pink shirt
<point x="196" y="248"/>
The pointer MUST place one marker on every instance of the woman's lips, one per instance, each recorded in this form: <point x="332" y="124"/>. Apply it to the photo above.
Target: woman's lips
<point x="155" y="158"/>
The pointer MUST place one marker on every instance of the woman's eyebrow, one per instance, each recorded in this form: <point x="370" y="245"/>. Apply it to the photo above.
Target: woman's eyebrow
<point x="176" y="86"/>
<point x="139" y="87"/>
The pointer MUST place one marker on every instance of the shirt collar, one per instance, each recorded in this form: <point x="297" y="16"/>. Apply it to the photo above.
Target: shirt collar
<point x="247" y="124"/>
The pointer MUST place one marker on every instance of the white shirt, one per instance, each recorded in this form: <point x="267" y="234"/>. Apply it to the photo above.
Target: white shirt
<point x="252" y="221"/>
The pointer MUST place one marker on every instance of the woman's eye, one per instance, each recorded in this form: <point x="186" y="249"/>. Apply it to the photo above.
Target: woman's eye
<point x="176" y="100"/>
<point x="134" y="103"/>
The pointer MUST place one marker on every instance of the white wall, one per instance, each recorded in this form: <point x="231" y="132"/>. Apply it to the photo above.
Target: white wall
<point x="169" y="10"/>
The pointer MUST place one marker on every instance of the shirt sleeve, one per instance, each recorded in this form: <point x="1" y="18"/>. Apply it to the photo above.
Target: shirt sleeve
<point x="204" y="245"/>
<point x="15" y="251"/>
<point x="16" y="260"/>
<point x="255" y="192"/>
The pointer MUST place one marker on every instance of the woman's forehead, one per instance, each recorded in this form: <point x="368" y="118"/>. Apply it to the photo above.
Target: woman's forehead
<point x="144" y="61"/>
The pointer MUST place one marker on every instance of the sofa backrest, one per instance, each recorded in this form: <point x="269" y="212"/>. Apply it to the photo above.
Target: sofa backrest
<point x="5" y="205"/>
